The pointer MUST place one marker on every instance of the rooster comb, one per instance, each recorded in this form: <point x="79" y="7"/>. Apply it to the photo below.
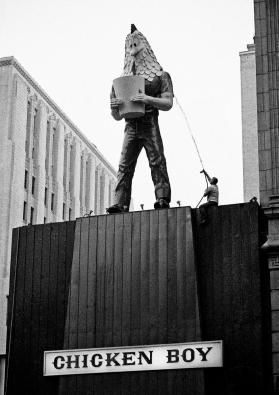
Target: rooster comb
<point x="133" y="28"/>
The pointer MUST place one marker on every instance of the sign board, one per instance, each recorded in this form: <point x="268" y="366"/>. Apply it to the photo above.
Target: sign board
<point x="135" y="358"/>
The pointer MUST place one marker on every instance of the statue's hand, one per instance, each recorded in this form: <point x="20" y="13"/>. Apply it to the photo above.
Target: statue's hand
<point x="115" y="103"/>
<point x="141" y="98"/>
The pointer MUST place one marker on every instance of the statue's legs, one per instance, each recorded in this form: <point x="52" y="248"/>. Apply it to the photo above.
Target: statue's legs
<point x="155" y="153"/>
<point x="129" y="155"/>
<point x="140" y="133"/>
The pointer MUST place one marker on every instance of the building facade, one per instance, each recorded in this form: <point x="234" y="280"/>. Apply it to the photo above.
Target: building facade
<point x="267" y="73"/>
<point x="249" y="123"/>
<point x="267" y="65"/>
<point x="49" y="170"/>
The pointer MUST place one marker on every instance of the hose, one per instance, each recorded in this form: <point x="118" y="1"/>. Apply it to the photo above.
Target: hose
<point x="190" y="131"/>
<point x="193" y="138"/>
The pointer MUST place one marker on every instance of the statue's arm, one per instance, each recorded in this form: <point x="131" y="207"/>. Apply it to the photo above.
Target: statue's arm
<point x="115" y="113"/>
<point x="114" y="105"/>
<point x="164" y="103"/>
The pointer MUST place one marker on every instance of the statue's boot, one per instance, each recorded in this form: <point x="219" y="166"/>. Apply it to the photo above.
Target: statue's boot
<point x="116" y="208"/>
<point x="161" y="203"/>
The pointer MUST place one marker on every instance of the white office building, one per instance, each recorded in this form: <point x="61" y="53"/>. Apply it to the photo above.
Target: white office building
<point x="49" y="171"/>
<point x="249" y="123"/>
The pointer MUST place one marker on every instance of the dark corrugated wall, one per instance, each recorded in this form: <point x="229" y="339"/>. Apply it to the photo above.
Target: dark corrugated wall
<point x="233" y="289"/>
<point x="138" y="275"/>
<point x="130" y="279"/>
<point x="39" y="283"/>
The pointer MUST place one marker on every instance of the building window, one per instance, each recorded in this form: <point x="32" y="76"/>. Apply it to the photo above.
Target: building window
<point x="70" y="214"/>
<point x="28" y="122"/>
<point x="72" y="170"/>
<point x="31" y="215"/>
<point x="47" y="147"/>
<point x="35" y="120"/>
<point x="44" y="220"/>
<point x="33" y="185"/>
<point x="24" y="210"/>
<point x="87" y="185"/>
<point x="65" y="163"/>
<point x="45" y="196"/>
<point x="63" y="215"/>
<point x="54" y="148"/>
<point x="102" y="193"/>
<point x="96" y="191"/>
<point x="52" y="202"/>
<point x="26" y="179"/>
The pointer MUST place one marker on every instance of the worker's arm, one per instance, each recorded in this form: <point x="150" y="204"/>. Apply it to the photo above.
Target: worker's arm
<point x="208" y="191"/>
<point x="163" y="103"/>
<point x="206" y="175"/>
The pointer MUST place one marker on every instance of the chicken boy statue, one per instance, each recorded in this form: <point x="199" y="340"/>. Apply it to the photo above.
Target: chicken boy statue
<point x="142" y="129"/>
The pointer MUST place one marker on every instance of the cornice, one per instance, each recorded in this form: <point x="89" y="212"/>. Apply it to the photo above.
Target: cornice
<point x="11" y="61"/>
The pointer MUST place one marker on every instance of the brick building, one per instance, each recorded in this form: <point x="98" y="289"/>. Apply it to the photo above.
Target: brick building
<point x="49" y="170"/>
<point x="249" y="123"/>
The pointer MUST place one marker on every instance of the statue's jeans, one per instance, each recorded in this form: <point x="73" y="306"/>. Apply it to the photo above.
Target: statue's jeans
<point x="142" y="132"/>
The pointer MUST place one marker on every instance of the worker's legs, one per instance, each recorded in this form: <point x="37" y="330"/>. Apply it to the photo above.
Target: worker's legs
<point x="204" y="211"/>
<point x="130" y="151"/>
<point x="155" y="152"/>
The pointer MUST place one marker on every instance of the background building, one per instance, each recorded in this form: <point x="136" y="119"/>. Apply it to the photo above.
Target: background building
<point x="267" y="72"/>
<point x="249" y="123"/>
<point x="49" y="171"/>
<point x="267" y="44"/>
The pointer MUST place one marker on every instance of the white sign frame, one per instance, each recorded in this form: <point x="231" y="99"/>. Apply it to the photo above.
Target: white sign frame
<point x="194" y="355"/>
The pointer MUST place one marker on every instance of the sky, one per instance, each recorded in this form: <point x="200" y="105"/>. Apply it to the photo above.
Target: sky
<point x="75" y="48"/>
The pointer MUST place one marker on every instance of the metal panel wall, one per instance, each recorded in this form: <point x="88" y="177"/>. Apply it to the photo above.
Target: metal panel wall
<point x="39" y="283"/>
<point x="234" y="295"/>
<point x="130" y="279"/>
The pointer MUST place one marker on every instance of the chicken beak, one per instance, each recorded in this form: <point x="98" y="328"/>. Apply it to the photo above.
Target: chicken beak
<point x="135" y="50"/>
